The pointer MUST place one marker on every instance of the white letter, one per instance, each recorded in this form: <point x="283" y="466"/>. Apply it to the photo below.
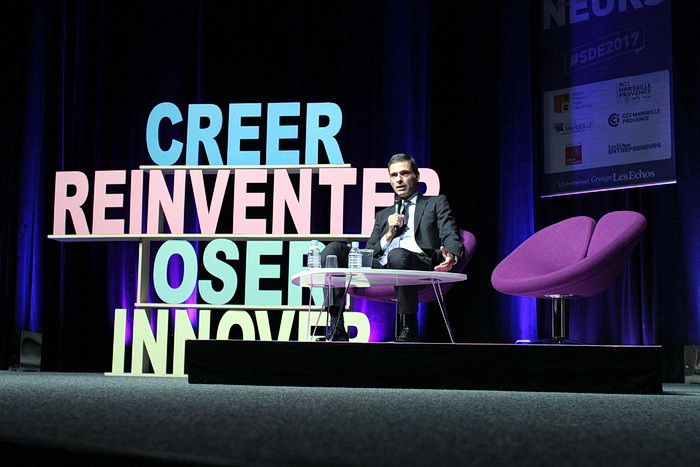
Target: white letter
<point x="156" y="348"/>
<point x="551" y="11"/>
<point x="236" y="318"/>
<point x="574" y="7"/>
<point x="599" y="10"/>
<point x="185" y="331"/>
<point x="119" y="341"/>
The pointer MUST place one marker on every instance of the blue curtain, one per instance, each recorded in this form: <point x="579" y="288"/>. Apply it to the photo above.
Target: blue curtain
<point x="34" y="176"/>
<point x="516" y="204"/>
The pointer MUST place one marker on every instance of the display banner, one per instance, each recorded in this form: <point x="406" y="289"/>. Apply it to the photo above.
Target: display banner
<point x="606" y="82"/>
<point x="227" y="275"/>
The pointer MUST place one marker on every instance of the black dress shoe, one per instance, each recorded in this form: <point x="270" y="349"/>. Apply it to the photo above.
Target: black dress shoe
<point x="340" y="335"/>
<point x="407" y="334"/>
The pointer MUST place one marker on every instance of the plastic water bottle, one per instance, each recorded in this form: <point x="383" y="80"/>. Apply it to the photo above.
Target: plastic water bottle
<point x="355" y="257"/>
<point x="313" y="258"/>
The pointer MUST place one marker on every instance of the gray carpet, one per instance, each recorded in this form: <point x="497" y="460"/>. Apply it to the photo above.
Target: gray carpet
<point x="64" y="418"/>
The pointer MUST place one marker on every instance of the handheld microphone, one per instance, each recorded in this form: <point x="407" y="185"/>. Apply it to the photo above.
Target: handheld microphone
<point x="397" y="207"/>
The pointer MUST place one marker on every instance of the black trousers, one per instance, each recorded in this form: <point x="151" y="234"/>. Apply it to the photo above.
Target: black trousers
<point x="398" y="258"/>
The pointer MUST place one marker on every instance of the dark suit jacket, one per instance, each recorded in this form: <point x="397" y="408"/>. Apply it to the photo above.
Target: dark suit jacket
<point x="434" y="227"/>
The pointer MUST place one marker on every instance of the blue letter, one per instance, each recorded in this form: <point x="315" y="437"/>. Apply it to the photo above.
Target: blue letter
<point x="277" y="131"/>
<point x="238" y="132"/>
<point x="255" y="272"/>
<point x="159" y="156"/>
<point x="189" y="274"/>
<point x="197" y="133"/>
<point x="326" y="134"/>
<point x="221" y="270"/>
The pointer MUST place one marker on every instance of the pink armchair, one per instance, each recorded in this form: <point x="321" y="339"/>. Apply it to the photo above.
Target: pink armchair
<point x="574" y="258"/>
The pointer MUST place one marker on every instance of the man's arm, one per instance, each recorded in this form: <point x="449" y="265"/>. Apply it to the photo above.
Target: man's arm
<point x="380" y="227"/>
<point x="451" y="247"/>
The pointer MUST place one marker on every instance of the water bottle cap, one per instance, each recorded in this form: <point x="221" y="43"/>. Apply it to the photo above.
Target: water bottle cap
<point x="356" y="244"/>
<point x="314" y="242"/>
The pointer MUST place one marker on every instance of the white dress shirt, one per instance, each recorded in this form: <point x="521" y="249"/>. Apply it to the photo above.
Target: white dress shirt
<point x="407" y="238"/>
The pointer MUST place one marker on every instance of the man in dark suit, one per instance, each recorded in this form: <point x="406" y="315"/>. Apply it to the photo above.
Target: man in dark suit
<point x="422" y="236"/>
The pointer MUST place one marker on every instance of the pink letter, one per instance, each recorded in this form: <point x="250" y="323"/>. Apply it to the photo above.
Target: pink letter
<point x="103" y="200"/>
<point x="430" y="179"/>
<point x="159" y="197"/>
<point x="242" y="200"/>
<point x="337" y="179"/>
<point x="208" y="215"/>
<point x="299" y="209"/>
<point x="64" y="203"/>
<point x="136" y="202"/>
<point x="371" y="199"/>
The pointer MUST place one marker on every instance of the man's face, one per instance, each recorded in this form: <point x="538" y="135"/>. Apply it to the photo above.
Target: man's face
<point x="403" y="180"/>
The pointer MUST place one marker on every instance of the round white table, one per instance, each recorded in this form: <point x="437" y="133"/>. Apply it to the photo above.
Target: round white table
<point x="346" y="278"/>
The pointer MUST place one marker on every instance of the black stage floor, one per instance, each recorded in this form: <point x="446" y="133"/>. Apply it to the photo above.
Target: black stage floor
<point x="508" y="367"/>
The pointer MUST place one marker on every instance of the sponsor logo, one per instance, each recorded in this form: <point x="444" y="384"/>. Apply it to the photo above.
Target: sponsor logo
<point x="628" y="91"/>
<point x="573" y="155"/>
<point x="641" y="116"/>
<point x="621" y="148"/>
<point x="630" y="175"/>
<point x="565" y="128"/>
<point x="562" y="103"/>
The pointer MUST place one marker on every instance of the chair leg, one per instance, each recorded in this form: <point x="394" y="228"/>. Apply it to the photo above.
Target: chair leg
<point x="560" y="319"/>
<point x="560" y="328"/>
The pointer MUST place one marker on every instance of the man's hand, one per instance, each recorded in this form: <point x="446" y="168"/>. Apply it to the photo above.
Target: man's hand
<point x="395" y="221"/>
<point x="450" y="261"/>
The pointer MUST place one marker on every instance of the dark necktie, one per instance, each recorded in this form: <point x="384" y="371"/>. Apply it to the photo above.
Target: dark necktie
<point x="404" y="227"/>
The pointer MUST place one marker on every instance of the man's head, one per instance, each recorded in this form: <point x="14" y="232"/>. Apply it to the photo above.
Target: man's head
<point x="403" y="175"/>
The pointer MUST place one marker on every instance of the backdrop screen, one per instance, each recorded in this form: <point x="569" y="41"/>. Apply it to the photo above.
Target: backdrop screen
<point x="607" y="117"/>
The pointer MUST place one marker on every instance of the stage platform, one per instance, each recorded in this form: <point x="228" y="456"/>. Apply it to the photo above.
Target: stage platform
<point x="508" y="367"/>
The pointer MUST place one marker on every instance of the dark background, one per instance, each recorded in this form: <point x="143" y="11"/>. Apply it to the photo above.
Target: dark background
<point x="451" y="82"/>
